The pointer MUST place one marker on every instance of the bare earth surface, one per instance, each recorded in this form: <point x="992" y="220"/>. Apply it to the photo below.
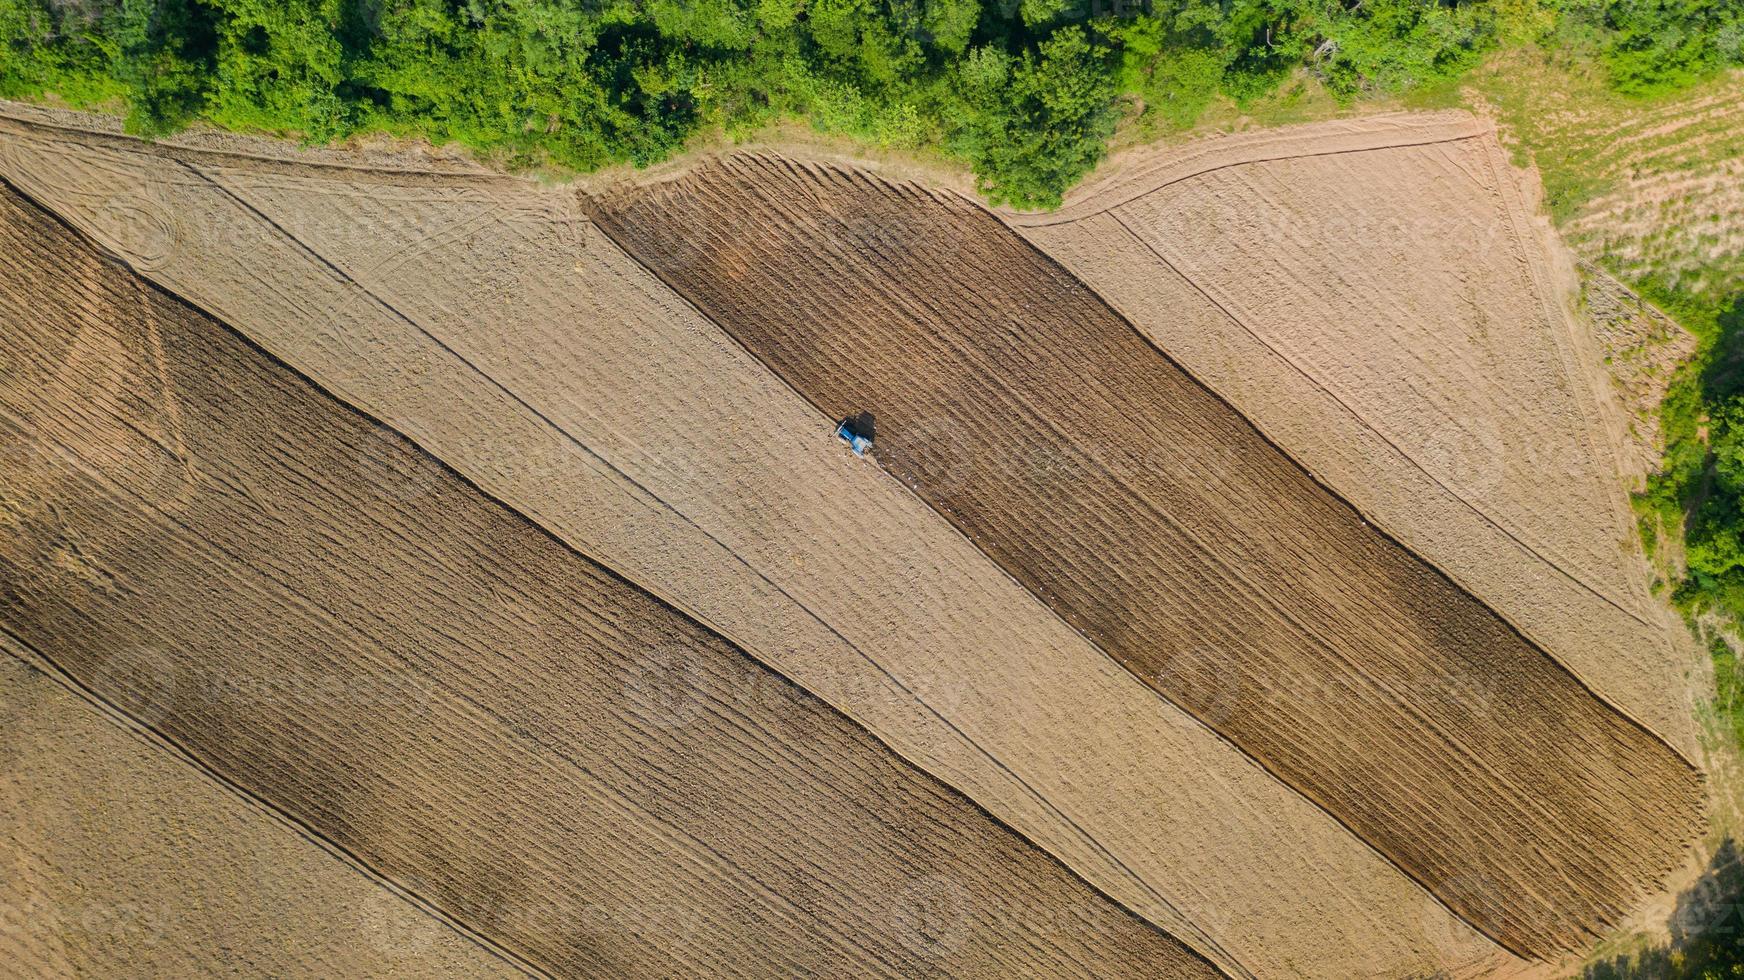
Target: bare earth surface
<point x="124" y="860"/>
<point x="1384" y="307"/>
<point x="521" y="346"/>
<point x="1123" y="494"/>
<point x="489" y="320"/>
<point x="526" y="742"/>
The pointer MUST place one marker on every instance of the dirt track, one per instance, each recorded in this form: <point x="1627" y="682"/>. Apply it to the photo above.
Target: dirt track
<point x="510" y="338"/>
<point x="314" y="608"/>
<point x="1126" y="496"/>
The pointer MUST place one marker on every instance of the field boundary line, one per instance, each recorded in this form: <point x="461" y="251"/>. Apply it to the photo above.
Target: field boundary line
<point x="1253" y="148"/>
<point x="1571" y="351"/>
<point x="1432" y="565"/>
<point x="595" y="205"/>
<point x="1093" y="644"/>
<point x="44" y="128"/>
<point x="42" y="663"/>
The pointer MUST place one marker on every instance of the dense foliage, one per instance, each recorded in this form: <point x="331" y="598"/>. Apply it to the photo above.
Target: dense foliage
<point x="1651" y="46"/>
<point x="1694" y="507"/>
<point x="1026" y="91"/>
<point x="1700" y="485"/>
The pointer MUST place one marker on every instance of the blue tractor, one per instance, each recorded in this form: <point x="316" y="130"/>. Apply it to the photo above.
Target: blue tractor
<point x="857" y="442"/>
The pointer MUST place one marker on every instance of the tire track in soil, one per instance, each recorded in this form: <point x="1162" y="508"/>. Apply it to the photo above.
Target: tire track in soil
<point x="1173" y="535"/>
<point x="1222" y="867"/>
<point x="462" y="700"/>
<point x="1247" y="257"/>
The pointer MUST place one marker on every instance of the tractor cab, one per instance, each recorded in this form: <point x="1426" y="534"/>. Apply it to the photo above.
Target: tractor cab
<point x="857" y="442"/>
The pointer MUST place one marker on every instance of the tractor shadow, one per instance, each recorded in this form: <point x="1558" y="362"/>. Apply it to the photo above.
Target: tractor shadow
<point x="1707" y="931"/>
<point x="862" y="424"/>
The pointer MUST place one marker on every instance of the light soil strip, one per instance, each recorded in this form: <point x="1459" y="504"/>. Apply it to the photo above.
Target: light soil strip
<point x="1155" y="519"/>
<point x="1138" y="172"/>
<point x="647" y="439"/>
<point x="513" y="733"/>
<point x="126" y="861"/>
<point x="1392" y="318"/>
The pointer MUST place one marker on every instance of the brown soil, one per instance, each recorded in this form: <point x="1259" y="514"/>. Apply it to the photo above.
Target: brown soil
<point x="126" y="861"/>
<point x="307" y="604"/>
<point x="1391" y="314"/>
<point x="1141" y="171"/>
<point x="1126" y="496"/>
<point x="1356" y="288"/>
<point x="506" y="335"/>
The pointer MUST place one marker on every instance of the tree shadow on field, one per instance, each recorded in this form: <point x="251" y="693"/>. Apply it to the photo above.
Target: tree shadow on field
<point x="1707" y="931"/>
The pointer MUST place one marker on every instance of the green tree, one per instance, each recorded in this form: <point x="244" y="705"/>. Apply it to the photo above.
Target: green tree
<point x="278" y="67"/>
<point x="165" y="60"/>
<point x="68" y="49"/>
<point x="1023" y="90"/>
<point x="1650" y="46"/>
<point x="1038" y="122"/>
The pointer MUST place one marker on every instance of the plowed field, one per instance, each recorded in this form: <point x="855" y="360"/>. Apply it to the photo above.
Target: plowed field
<point x="494" y="538"/>
<point x="1380" y="299"/>
<point x="1163" y="526"/>
<point x="510" y="338"/>
<point x="531" y="745"/>
<point x="96" y="816"/>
